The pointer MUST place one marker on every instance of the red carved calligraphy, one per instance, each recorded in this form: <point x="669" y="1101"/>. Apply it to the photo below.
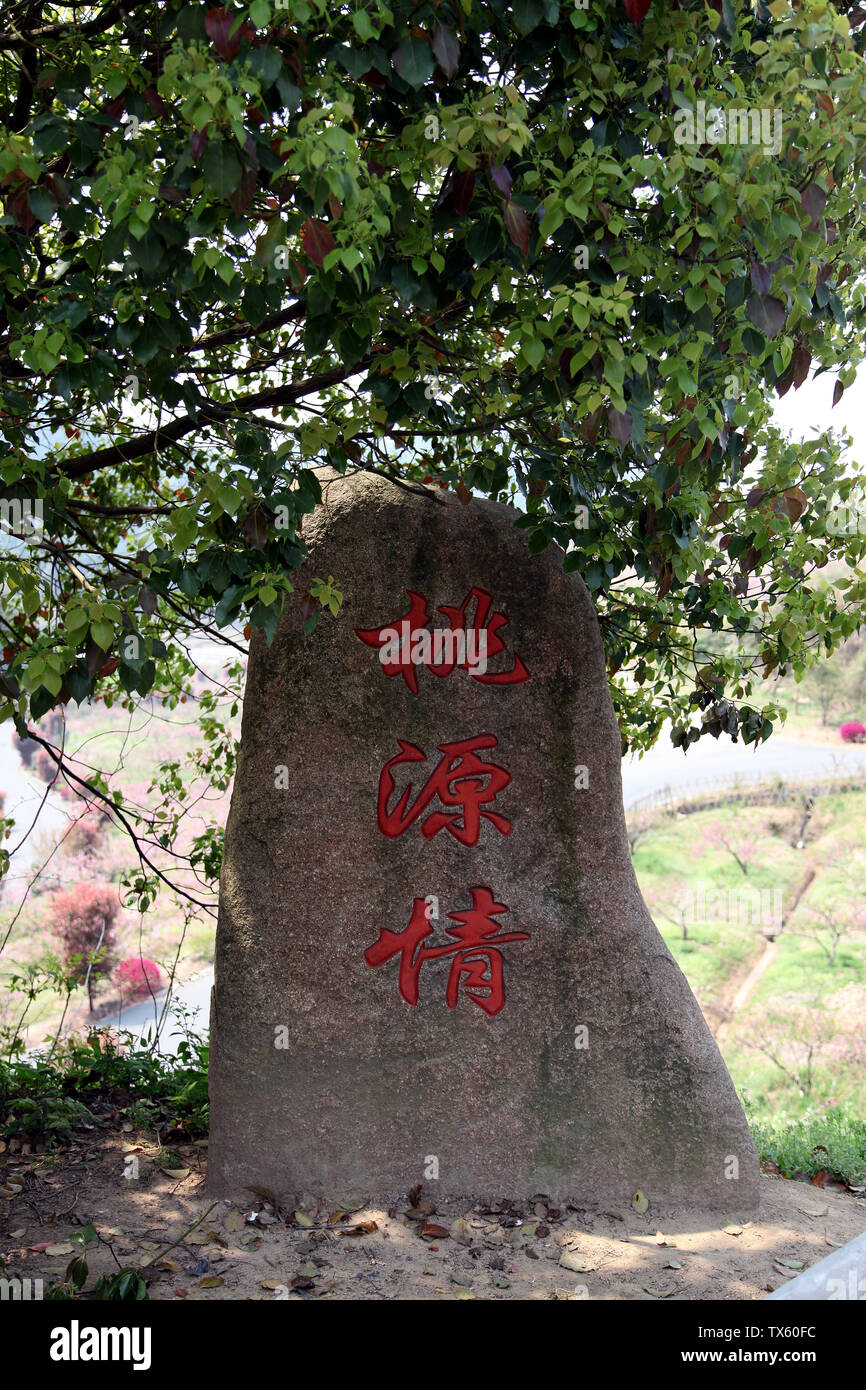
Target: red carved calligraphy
<point x="461" y="781"/>
<point x="476" y="957"/>
<point x="408" y="643"/>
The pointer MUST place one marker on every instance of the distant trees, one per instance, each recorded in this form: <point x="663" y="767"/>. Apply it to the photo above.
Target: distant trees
<point x="793" y="1036"/>
<point x="83" y="919"/>
<point x="827" y="924"/>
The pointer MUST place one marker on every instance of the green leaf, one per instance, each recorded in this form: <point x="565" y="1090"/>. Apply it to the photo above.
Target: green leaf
<point x="102" y="634"/>
<point x="482" y="240"/>
<point x="533" y="351"/>
<point x="528" y="14"/>
<point x="41" y="204"/>
<point x="222" y="168"/>
<point x="413" y="60"/>
<point x="260" y="13"/>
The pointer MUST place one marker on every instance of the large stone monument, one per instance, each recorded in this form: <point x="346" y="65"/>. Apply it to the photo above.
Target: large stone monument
<point x="433" y="959"/>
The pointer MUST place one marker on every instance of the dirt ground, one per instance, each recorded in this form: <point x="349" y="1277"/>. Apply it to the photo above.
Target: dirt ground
<point x="414" y="1249"/>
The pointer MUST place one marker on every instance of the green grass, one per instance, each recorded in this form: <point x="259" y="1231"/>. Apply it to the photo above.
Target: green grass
<point x="833" y="1142"/>
<point x="796" y="1002"/>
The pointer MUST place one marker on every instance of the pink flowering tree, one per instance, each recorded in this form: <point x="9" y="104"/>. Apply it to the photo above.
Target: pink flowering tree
<point x="742" y="848"/>
<point x="83" y="918"/>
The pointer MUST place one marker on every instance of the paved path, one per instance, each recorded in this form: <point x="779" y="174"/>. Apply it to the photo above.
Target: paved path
<point x="142" y="1019"/>
<point x="666" y="766"/>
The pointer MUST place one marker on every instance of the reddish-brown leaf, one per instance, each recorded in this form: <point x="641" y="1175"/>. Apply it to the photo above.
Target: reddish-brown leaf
<point x="317" y="240"/>
<point x="430" y="1231"/>
<point x="218" y="27"/>
<point x="462" y="191"/>
<point x="800" y="364"/>
<point x="197" y="141"/>
<point x="155" y="101"/>
<point x="637" y="10"/>
<point x="501" y="177"/>
<point x="517" y="226"/>
<point x="242" y="195"/>
<point x="796" y="503"/>
<point x="17" y="206"/>
<point x="446" y="49"/>
<point x="814" y="200"/>
<point x="589" y="426"/>
<point x="255" y="528"/>
<point x="620" y="426"/>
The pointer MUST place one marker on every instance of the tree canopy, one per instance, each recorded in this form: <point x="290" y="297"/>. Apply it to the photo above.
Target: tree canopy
<point x="561" y="254"/>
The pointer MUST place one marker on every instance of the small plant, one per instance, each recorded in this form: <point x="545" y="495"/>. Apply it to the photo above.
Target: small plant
<point x="125" y="1286"/>
<point x="46" y="1096"/>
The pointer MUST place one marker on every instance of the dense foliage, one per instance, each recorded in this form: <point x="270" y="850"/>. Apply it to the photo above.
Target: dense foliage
<point x="509" y="248"/>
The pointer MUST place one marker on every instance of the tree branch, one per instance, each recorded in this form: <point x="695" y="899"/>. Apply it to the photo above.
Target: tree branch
<point x="80" y="465"/>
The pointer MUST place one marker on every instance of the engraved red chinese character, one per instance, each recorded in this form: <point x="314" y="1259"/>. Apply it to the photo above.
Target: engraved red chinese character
<point x="408" y="643"/>
<point x="477" y="964"/>
<point x="460" y="780"/>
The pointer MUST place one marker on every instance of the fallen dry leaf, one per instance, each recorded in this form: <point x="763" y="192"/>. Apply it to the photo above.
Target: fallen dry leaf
<point x="361" y="1228"/>
<point x="572" y="1259"/>
<point x="430" y="1231"/>
<point x="461" y="1231"/>
<point x="263" y="1192"/>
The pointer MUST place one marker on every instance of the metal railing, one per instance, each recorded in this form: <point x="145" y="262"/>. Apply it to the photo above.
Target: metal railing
<point x="755" y="789"/>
